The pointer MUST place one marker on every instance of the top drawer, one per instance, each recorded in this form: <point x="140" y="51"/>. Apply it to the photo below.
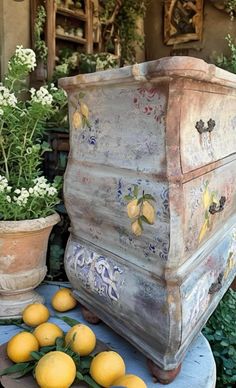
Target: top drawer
<point x="218" y="138"/>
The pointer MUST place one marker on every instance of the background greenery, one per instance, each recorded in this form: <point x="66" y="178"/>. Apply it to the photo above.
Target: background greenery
<point x="220" y="331"/>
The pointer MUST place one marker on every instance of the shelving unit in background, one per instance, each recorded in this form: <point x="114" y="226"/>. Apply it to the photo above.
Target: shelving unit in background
<point x="68" y="26"/>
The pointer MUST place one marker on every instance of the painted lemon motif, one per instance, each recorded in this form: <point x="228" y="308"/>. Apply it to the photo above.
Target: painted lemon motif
<point x="84" y="110"/>
<point x="230" y="265"/>
<point x="133" y="209"/>
<point x="77" y="120"/>
<point x="207" y="198"/>
<point x="136" y="228"/>
<point x="203" y="230"/>
<point x="148" y="211"/>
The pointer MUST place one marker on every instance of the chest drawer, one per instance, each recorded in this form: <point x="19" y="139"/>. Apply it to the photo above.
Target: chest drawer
<point x="210" y="201"/>
<point x="207" y="128"/>
<point x="207" y="283"/>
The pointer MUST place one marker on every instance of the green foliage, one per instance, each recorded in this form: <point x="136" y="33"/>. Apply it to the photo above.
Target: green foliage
<point x="229" y="62"/>
<point x="221" y="333"/>
<point x="119" y="21"/>
<point x="231" y="5"/>
<point x="24" y="193"/>
<point x="40" y="47"/>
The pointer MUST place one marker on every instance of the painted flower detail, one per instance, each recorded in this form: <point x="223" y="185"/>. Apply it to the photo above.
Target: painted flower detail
<point x="81" y="115"/>
<point x="140" y="210"/>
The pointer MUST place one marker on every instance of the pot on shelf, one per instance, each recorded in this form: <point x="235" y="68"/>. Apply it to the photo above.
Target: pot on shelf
<point x="23" y="250"/>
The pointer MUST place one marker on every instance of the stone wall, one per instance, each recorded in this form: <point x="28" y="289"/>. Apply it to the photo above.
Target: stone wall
<point x="14" y="29"/>
<point x="216" y="25"/>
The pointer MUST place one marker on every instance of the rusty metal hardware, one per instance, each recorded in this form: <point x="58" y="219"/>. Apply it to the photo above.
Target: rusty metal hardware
<point x="217" y="209"/>
<point x="200" y="126"/>
<point x="216" y="286"/>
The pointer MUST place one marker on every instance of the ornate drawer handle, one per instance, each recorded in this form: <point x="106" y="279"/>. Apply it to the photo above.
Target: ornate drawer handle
<point x="216" y="286"/>
<point x="200" y="126"/>
<point x="217" y="209"/>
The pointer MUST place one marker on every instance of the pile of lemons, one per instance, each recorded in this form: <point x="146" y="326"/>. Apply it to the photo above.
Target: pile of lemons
<point x="57" y="369"/>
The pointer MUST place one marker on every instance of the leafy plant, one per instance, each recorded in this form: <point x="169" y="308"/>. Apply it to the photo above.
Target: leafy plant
<point x="231" y="6"/>
<point x="24" y="193"/>
<point x="221" y="333"/>
<point x="40" y="47"/>
<point x="119" y="24"/>
<point x="228" y="62"/>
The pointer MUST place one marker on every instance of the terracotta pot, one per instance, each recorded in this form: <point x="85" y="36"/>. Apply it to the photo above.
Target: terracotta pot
<point x="23" y="249"/>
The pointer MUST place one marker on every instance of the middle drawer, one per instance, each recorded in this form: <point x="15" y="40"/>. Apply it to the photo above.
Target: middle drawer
<point x="209" y="201"/>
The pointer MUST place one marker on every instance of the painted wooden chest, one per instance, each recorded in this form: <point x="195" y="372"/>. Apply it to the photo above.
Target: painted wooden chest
<point x="150" y="189"/>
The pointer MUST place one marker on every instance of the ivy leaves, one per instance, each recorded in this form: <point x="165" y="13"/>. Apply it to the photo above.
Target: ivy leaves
<point x="221" y="333"/>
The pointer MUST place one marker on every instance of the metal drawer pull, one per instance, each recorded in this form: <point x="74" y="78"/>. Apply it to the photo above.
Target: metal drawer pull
<point x="216" y="286"/>
<point x="200" y="126"/>
<point x="217" y="209"/>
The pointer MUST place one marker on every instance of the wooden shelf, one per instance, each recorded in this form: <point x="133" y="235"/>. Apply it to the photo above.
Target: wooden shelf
<point x="67" y="19"/>
<point x="74" y="14"/>
<point x="71" y="38"/>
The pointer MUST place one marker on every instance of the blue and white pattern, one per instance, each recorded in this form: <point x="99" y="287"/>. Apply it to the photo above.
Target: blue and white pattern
<point x="96" y="272"/>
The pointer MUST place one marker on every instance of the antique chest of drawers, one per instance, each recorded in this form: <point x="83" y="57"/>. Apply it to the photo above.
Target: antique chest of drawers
<point x="150" y="189"/>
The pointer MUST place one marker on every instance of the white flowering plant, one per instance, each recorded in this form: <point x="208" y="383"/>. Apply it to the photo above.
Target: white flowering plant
<point x="24" y="192"/>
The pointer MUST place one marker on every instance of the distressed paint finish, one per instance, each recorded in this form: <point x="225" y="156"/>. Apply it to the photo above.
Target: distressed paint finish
<point x="141" y="131"/>
<point x="200" y="225"/>
<point x="200" y="290"/>
<point x="198" y="150"/>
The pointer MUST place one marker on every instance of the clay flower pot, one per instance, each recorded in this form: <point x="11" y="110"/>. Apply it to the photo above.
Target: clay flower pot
<point x="23" y="249"/>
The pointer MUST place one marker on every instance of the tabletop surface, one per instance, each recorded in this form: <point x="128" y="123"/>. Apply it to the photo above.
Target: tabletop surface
<point x="198" y="368"/>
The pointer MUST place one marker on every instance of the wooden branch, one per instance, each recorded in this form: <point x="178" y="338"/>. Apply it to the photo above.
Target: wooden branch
<point x="115" y="12"/>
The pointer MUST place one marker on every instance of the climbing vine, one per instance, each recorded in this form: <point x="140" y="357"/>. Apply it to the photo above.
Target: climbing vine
<point x="118" y="19"/>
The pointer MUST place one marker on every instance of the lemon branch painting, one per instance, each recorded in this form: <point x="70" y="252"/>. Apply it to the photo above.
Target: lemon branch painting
<point x="81" y="114"/>
<point x="140" y="210"/>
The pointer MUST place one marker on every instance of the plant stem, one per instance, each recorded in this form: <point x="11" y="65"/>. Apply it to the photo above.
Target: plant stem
<point x="4" y="154"/>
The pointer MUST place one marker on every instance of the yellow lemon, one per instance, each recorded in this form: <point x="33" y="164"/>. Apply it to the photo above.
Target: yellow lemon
<point x="84" y="110"/>
<point x="130" y="381"/>
<point x="21" y="345"/>
<point x="55" y="370"/>
<point x="149" y="212"/>
<point x="35" y="314"/>
<point x="136" y="228"/>
<point x="133" y="208"/>
<point x="107" y="367"/>
<point x="77" y="120"/>
<point x="63" y="300"/>
<point x="81" y="339"/>
<point x="47" y="333"/>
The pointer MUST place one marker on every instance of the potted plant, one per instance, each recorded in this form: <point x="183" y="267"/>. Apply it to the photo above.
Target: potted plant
<point x="27" y="199"/>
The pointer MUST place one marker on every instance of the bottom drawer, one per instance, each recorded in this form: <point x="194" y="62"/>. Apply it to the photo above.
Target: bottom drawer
<point x="206" y="284"/>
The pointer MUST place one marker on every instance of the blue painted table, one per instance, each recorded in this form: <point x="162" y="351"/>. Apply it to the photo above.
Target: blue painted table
<point x="198" y="368"/>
